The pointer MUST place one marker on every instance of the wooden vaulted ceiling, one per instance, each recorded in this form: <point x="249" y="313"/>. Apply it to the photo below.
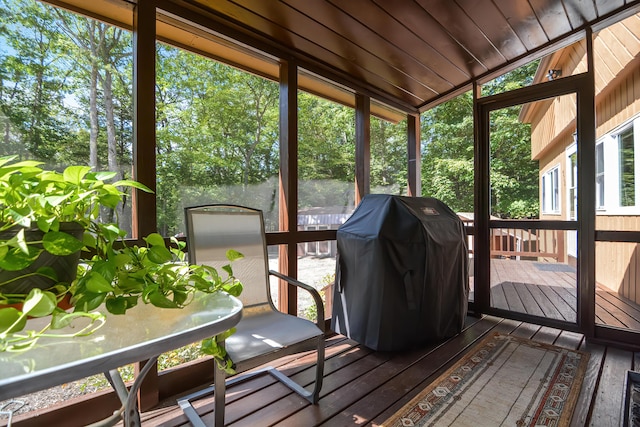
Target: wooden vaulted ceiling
<point x="408" y="55"/>
<point x="414" y="52"/>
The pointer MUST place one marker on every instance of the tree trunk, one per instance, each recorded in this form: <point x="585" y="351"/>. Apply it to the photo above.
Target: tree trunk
<point x="93" y="101"/>
<point x="112" y="147"/>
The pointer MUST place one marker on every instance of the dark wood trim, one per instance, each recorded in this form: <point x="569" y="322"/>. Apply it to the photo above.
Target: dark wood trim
<point x="529" y="318"/>
<point x="144" y="149"/>
<point x="481" y="208"/>
<point x="363" y="147"/>
<point x="619" y="338"/>
<point x="288" y="259"/>
<point x="586" y="127"/>
<point x="534" y="224"/>
<point x="149" y="393"/>
<point x="583" y="86"/>
<point x="564" y="86"/>
<point x="293" y="237"/>
<point x="414" y="175"/>
<point x="80" y="411"/>
<point x="144" y="117"/>
<point x="98" y="17"/>
<point x="617" y="236"/>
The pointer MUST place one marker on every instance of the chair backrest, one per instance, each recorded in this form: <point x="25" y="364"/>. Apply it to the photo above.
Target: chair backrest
<point x="213" y="229"/>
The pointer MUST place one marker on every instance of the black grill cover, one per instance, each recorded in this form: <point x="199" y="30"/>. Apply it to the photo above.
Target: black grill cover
<point x="402" y="273"/>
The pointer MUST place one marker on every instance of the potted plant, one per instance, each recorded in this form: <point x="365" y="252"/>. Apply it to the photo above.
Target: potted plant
<point x="48" y="215"/>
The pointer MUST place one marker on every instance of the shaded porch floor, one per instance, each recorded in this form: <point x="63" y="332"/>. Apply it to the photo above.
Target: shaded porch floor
<point x="365" y="387"/>
<point x="549" y="290"/>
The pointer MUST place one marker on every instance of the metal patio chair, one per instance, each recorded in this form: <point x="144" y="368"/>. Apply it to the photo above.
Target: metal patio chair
<point x="264" y="333"/>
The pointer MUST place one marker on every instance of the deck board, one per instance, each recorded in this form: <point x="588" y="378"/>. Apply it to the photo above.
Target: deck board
<point x="365" y="387"/>
<point x="606" y="409"/>
<point x="589" y="383"/>
<point x="528" y="287"/>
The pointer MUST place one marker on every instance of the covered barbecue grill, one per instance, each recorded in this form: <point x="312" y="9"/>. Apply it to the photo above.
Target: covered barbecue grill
<point x="402" y="273"/>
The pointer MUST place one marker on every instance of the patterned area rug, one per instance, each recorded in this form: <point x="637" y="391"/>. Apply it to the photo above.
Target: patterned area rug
<point x="502" y="381"/>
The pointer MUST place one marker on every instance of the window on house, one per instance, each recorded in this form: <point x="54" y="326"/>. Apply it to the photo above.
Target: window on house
<point x="600" y="175"/>
<point x="573" y="185"/>
<point x="627" y="177"/>
<point x="616" y="171"/>
<point x="551" y="191"/>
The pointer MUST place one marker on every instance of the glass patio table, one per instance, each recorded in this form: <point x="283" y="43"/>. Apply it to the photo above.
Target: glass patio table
<point x="143" y="333"/>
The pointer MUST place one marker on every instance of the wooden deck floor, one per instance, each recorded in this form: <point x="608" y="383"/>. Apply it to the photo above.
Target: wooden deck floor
<point x="549" y="290"/>
<point x="364" y="387"/>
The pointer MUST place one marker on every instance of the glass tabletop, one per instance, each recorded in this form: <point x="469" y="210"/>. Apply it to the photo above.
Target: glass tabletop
<point x="143" y="332"/>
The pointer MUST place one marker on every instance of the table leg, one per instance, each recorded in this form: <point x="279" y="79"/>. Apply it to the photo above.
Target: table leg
<point x="219" y="381"/>
<point x="129" y="398"/>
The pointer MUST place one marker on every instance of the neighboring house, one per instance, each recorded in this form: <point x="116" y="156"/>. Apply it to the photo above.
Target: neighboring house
<point x="321" y="218"/>
<point x="617" y="183"/>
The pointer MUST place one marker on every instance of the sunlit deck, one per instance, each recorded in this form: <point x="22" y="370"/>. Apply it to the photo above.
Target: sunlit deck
<point x="549" y="290"/>
<point x="364" y="387"/>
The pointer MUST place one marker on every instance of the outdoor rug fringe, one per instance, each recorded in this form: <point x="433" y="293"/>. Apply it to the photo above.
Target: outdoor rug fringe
<point x="502" y="381"/>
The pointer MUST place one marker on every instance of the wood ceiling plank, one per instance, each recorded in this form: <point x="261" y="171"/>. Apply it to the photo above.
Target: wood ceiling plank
<point x="424" y="26"/>
<point x="493" y="24"/>
<point x="606" y="6"/>
<point x="580" y="11"/>
<point x="363" y="39"/>
<point x="303" y="30"/>
<point x="524" y="22"/>
<point x="385" y="33"/>
<point x="456" y="22"/>
<point x="337" y="59"/>
<point x="552" y="17"/>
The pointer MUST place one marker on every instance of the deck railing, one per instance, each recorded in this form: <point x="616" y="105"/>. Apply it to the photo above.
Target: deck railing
<point x="529" y="243"/>
<point x="519" y="242"/>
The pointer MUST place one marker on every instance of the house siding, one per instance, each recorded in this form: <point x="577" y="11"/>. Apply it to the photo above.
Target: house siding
<point x="617" y="75"/>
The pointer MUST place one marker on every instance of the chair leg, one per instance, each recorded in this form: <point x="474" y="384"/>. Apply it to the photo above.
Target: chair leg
<point x="218" y="389"/>
<point x="315" y="396"/>
<point x="222" y="384"/>
<point x="189" y="410"/>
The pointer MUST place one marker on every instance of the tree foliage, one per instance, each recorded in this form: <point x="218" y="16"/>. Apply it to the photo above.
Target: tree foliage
<point x="448" y="153"/>
<point x="66" y="98"/>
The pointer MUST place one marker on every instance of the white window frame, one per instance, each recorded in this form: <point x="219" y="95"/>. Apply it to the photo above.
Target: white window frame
<point x="601" y="194"/>
<point x="611" y="154"/>
<point x="572" y="182"/>
<point x="551" y="191"/>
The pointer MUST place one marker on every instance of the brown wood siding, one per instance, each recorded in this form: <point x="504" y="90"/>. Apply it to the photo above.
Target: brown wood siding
<point x="617" y="73"/>
<point x="619" y="104"/>
<point x="616" y="50"/>
<point x="618" y="268"/>
<point x="558" y="120"/>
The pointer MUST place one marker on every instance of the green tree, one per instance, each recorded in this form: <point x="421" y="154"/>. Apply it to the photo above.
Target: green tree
<point x="33" y="82"/>
<point x="389" y="156"/>
<point x="514" y="175"/>
<point x="217" y="134"/>
<point x="448" y="153"/>
<point x="326" y="152"/>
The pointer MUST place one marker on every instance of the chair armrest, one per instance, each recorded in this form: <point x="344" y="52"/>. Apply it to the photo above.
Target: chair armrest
<point x="314" y="293"/>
